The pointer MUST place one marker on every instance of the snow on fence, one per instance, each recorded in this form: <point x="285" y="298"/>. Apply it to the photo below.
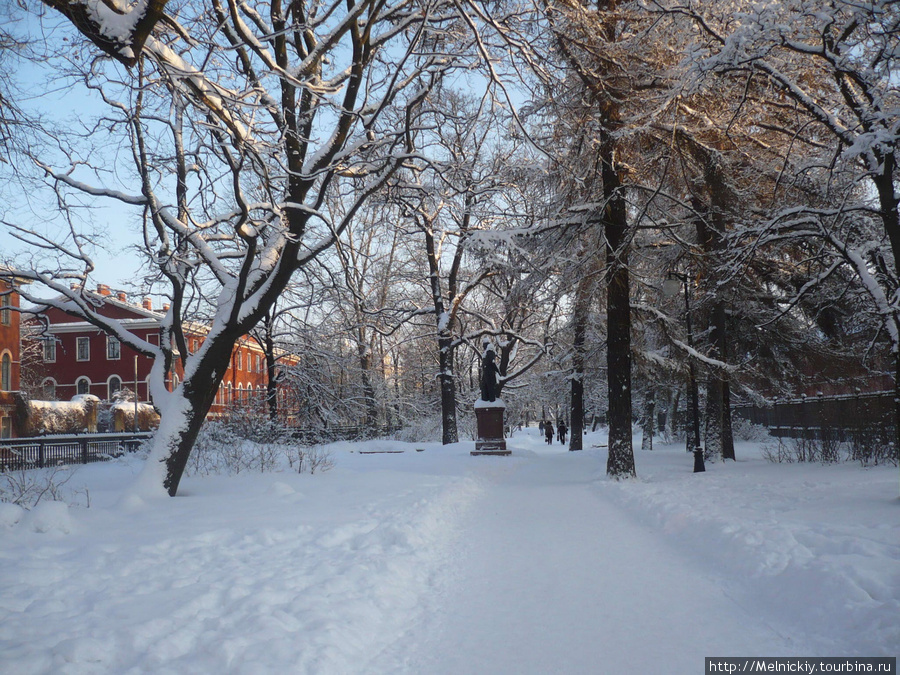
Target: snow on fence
<point x="36" y="453"/>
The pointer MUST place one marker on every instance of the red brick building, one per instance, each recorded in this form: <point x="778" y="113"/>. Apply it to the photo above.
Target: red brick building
<point x="10" y="356"/>
<point x="79" y="358"/>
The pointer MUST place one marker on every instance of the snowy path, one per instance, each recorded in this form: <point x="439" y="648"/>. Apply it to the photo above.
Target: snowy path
<point x="438" y="563"/>
<point x="549" y="565"/>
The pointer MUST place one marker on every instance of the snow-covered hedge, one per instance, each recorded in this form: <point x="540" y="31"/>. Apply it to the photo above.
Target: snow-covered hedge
<point x="38" y="418"/>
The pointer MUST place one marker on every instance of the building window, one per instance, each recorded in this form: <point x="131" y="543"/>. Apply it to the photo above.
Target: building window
<point x="83" y="349"/>
<point x="239" y="360"/>
<point x="153" y="338"/>
<point x="258" y="364"/>
<point x="113" y="385"/>
<point x="5" y="427"/>
<point x="113" y="348"/>
<point x="82" y="385"/>
<point x="48" y="389"/>
<point x="49" y="349"/>
<point x="6" y="372"/>
<point x="5" y="314"/>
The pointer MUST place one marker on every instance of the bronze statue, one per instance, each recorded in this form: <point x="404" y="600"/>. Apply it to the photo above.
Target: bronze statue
<point x="489" y="375"/>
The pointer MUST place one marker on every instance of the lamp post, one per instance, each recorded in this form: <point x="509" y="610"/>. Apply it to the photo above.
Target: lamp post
<point x="135" y="425"/>
<point x="670" y="288"/>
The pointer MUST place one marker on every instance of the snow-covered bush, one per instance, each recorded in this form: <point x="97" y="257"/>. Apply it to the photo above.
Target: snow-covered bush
<point x="27" y="488"/>
<point x="245" y="440"/>
<point x="220" y="449"/>
<point x="426" y="428"/>
<point x="313" y="458"/>
<point x="871" y="447"/>
<point x="745" y="430"/>
<point x="826" y="450"/>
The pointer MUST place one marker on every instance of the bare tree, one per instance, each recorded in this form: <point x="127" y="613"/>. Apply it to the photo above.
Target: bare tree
<point x="241" y="121"/>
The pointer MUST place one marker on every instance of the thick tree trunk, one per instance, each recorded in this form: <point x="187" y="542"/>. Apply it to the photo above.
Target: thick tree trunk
<point x="889" y="202"/>
<point x="186" y="408"/>
<point x="365" y="369"/>
<point x="713" y="433"/>
<point x="719" y="440"/>
<point x="618" y="309"/>
<point x="449" y="432"/>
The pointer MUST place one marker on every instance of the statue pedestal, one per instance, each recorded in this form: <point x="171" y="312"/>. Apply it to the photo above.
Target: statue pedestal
<point x="490" y="439"/>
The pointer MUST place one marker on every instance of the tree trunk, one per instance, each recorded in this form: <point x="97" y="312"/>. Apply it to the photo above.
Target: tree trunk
<point x="889" y="202"/>
<point x="671" y="414"/>
<point x="449" y="432"/>
<point x="649" y="425"/>
<point x="579" y="320"/>
<point x="186" y="409"/>
<point x="727" y="433"/>
<point x="365" y="368"/>
<point x="618" y="310"/>
<point x="271" y="378"/>
<point x="713" y="433"/>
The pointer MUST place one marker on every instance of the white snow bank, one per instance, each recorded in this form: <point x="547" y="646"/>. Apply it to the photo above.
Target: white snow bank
<point x="816" y="548"/>
<point x="439" y="558"/>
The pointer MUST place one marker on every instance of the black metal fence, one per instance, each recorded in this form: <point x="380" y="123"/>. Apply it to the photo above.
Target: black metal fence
<point x="41" y="451"/>
<point x="843" y="418"/>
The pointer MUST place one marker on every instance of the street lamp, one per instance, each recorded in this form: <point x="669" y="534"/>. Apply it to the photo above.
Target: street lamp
<point x="670" y="288"/>
<point x="135" y="425"/>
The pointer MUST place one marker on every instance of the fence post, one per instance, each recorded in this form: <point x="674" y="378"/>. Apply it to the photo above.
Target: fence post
<point x="84" y="451"/>
<point x="41" y="455"/>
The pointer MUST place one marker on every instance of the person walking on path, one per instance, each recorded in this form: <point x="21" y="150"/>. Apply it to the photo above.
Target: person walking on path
<point x="548" y="432"/>
<point x="562" y="429"/>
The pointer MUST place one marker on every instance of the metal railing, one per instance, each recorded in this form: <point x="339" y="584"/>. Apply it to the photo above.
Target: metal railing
<point x="817" y="417"/>
<point x="42" y="451"/>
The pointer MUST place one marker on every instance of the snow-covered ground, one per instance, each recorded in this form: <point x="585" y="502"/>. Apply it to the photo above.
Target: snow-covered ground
<point x="439" y="562"/>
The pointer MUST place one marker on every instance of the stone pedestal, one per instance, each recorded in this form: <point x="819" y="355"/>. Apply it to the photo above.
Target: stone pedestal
<point x="490" y="439"/>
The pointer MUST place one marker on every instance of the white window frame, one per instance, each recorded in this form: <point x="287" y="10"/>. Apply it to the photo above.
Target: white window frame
<point x="82" y="341"/>
<point x="44" y="383"/>
<point x="109" y="391"/>
<point x="6" y="426"/>
<point x="113" y="348"/>
<point x="79" y="380"/>
<point x="49" y="349"/>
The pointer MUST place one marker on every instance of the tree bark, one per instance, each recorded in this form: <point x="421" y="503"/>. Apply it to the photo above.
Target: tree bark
<point x="889" y="202"/>
<point x="583" y="295"/>
<point x="618" y="309"/>
<point x="649" y="425"/>
<point x="449" y="433"/>
<point x="187" y="409"/>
